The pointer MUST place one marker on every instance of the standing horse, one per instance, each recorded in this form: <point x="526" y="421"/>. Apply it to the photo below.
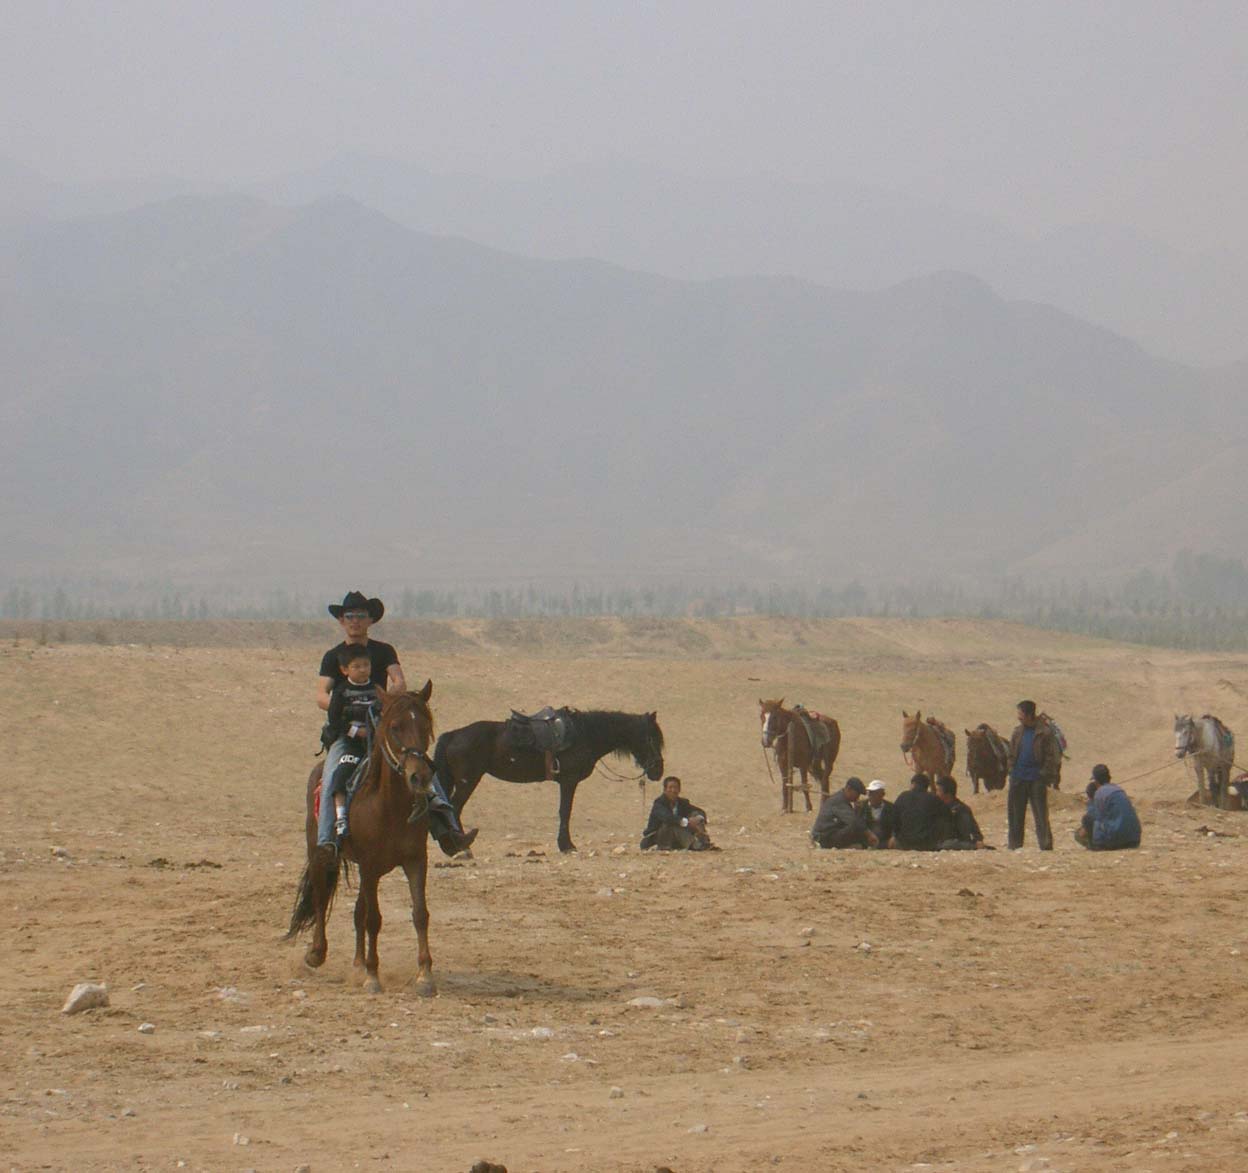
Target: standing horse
<point x="379" y="839"/>
<point x="788" y="733"/>
<point x="463" y="756"/>
<point x="1210" y="752"/>
<point x="929" y="753"/>
<point x="987" y="758"/>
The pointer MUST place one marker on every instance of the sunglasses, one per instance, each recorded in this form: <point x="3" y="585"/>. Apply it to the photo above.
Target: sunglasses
<point x="356" y="615"/>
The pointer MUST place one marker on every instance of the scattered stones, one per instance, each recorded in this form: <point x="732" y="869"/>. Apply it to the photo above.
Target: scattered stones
<point x="542" y="1032"/>
<point x="128" y="1112"/>
<point x="487" y="1167"/>
<point x="147" y="1028"/>
<point x="570" y="1057"/>
<point x="864" y="947"/>
<point x="240" y="1139"/>
<point x="489" y="1019"/>
<point x="648" y="1002"/>
<point x="303" y="1169"/>
<point x="231" y="994"/>
<point x="620" y="850"/>
<point x="808" y="931"/>
<point x="605" y="892"/>
<point x="616" y="1093"/>
<point x="59" y="853"/>
<point x="700" y="1128"/>
<point x="138" y="987"/>
<point x="85" y="996"/>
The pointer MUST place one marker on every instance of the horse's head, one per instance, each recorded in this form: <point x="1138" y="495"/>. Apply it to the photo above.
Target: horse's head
<point x="910" y="726"/>
<point x="774" y="720"/>
<point x="649" y="754"/>
<point x="1184" y="735"/>
<point x="403" y="735"/>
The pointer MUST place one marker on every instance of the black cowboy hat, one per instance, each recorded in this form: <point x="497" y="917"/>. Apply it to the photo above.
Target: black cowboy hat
<point x="354" y="601"/>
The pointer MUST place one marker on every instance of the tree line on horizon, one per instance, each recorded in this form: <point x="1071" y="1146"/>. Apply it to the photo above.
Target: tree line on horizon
<point x="1200" y="605"/>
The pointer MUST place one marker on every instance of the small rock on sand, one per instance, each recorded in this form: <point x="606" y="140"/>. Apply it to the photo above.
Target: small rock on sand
<point x="85" y="996"/>
<point x="147" y="1028"/>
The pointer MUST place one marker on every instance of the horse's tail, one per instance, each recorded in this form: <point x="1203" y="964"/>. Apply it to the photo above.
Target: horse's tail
<point x="304" y="912"/>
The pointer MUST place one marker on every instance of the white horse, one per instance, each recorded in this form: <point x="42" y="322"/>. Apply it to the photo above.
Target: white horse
<point x="1202" y="740"/>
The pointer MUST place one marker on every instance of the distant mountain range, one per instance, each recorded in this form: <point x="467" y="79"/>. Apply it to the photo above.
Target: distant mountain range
<point x="848" y="235"/>
<point x="1176" y="304"/>
<point x="222" y="389"/>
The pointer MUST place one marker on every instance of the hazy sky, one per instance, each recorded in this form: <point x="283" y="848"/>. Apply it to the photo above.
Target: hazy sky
<point x="1039" y="113"/>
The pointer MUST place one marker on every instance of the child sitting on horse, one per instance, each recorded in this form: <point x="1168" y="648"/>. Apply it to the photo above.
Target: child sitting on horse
<point x="353" y="709"/>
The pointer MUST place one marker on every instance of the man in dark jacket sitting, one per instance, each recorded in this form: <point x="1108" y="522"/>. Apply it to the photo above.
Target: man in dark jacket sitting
<point x="879" y="813"/>
<point x="675" y="823"/>
<point x="839" y="824"/>
<point x="965" y="834"/>
<point x="922" y="820"/>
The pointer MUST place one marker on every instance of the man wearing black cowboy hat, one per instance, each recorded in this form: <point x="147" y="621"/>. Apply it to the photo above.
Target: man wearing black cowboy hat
<point x="356" y="614"/>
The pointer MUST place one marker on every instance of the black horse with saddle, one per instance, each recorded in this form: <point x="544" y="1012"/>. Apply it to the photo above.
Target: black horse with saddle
<point x="563" y="745"/>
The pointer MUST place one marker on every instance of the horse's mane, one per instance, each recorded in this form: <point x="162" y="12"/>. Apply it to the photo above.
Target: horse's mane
<point x="626" y="731"/>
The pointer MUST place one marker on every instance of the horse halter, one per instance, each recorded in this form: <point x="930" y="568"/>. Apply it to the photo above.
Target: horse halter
<point x="396" y="757"/>
<point x="770" y="737"/>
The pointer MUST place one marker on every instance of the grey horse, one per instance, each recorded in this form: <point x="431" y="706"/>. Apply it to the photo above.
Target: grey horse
<point x="1211" y="748"/>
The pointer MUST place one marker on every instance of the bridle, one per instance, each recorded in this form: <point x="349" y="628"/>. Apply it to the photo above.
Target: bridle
<point x="772" y="739"/>
<point x="396" y="757"/>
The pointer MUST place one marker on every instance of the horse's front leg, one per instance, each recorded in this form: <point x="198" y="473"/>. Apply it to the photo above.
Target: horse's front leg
<point x="372" y="924"/>
<point x="1202" y="792"/>
<point x="318" y="879"/>
<point x="416" y="873"/>
<point x="786" y="782"/>
<point x="567" y="792"/>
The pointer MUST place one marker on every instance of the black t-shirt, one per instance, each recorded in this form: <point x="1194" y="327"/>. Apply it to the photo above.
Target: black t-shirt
<point x="382" y="656"/>
<point x="922" y="819"/>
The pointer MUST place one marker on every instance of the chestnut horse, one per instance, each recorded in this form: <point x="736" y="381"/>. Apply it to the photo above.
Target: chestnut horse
<point x="927" y="752"/>
<point x="380" y="838"/>
<point x="786" y="733"/>
<point x="463" y="756"/>
<point x="987" y="758"/>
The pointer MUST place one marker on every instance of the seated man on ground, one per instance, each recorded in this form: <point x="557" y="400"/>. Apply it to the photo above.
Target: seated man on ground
<point x="839" y="824"/>
<point x="966" y="835"/>
<point x="879" y="813"/>
<point x="675" y="823"/>
<point x="1110" y="823"/>
<point x="922" y="819"/>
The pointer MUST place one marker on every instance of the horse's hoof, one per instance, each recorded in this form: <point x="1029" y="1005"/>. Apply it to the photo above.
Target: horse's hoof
<point x="372" y="986"/>
<point x="314" y="958"/>
<point x="567" y="848"/>
<point x="425" y="988"/>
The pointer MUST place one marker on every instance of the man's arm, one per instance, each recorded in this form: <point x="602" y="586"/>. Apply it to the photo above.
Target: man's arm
<point x="395" y="680"/>
<point x="324" y="690"/>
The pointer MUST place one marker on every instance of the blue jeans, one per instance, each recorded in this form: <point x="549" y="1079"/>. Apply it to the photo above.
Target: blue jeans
<point x="343" y="747"/>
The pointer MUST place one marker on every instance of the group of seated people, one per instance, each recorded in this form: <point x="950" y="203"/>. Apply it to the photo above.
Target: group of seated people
<point x="919" y="820"/>
<point x="860" y="816"/>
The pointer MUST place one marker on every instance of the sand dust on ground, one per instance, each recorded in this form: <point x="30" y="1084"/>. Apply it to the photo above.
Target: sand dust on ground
<point x="851" y="1010"/>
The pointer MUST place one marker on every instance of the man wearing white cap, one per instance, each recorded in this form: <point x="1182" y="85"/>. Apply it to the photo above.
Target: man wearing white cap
<point x="879" y="813"/>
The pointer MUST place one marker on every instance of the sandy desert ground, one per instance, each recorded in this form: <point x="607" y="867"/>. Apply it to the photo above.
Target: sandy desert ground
<point x="1060" y="1011"/>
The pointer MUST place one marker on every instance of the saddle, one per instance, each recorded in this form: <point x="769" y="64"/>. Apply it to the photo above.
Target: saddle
<point x="999" y="749"/>
<point x="548" y="731"/>
<point x="1225" y="736"/>
<point x="817" y="733"/>
<point x="948" y="740"/>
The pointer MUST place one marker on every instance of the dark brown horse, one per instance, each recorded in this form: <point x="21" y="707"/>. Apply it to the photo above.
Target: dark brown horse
<point x="463" y="756"/>
<point x="786" y="733"/>
<point x="379" y="840"/>
<point x="929" y="752"/>
<point x="987" y="758"/>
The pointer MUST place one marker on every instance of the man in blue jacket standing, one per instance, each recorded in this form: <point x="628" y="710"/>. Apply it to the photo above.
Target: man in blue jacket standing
<point x="1111" y="822"/>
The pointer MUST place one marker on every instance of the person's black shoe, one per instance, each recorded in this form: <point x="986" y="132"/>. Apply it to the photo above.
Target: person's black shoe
<point x="453" y="842"/>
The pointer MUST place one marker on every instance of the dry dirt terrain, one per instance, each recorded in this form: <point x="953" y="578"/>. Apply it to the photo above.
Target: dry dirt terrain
<point x="816" y="1010"/>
